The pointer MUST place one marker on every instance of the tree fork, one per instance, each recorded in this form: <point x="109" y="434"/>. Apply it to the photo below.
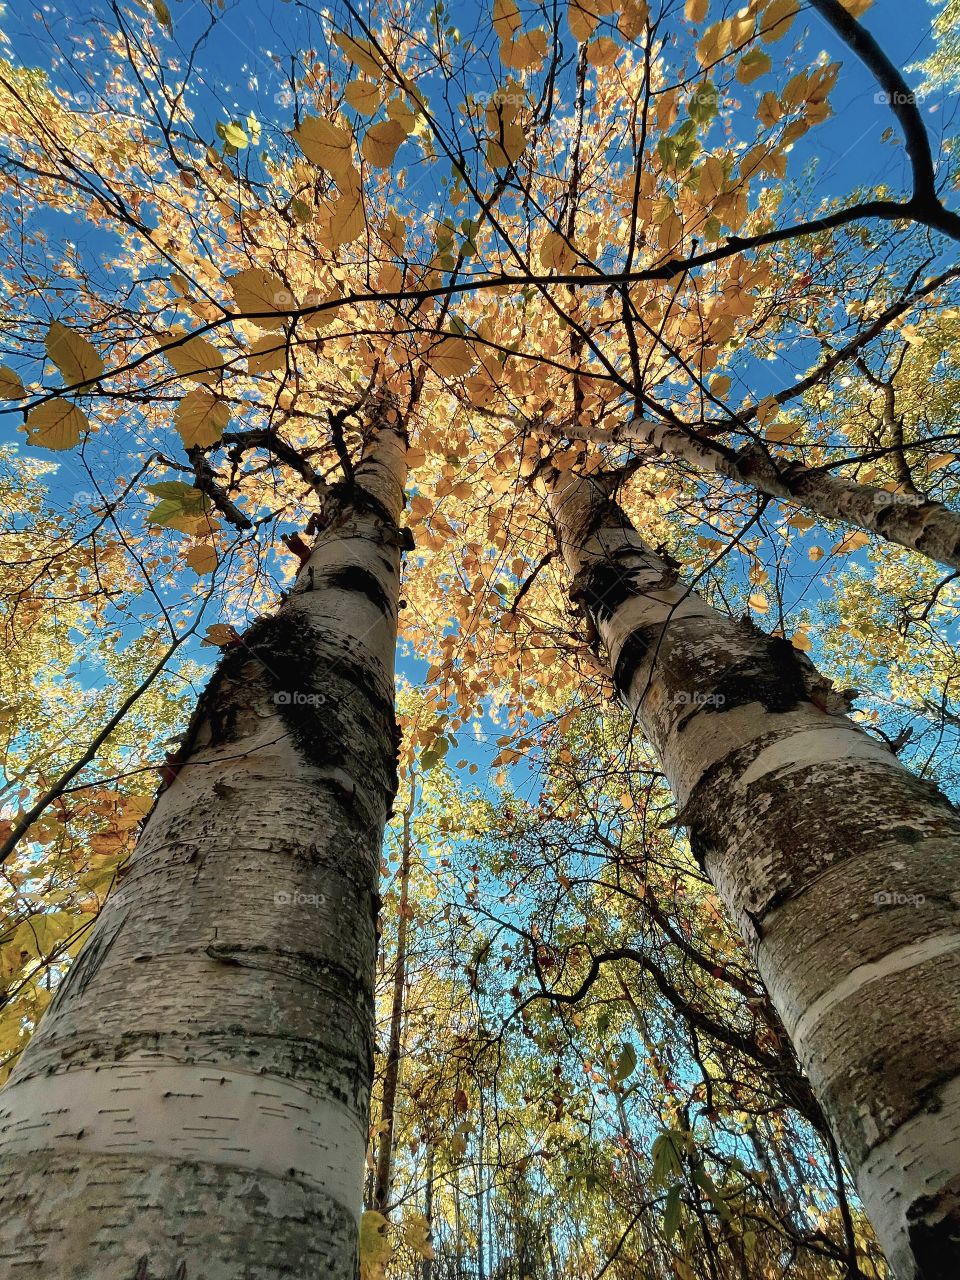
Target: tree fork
<point x="194" y="1102"/>
<point x="839" y="866"/>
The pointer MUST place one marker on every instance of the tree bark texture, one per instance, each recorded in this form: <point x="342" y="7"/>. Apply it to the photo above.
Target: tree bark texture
<point x="194" y="1102"/>
<point x="905" y="518"/>
<point x="840" y="866"/>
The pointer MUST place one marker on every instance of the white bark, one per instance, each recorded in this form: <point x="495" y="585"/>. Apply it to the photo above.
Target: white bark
<point x="840" y="867"/>
<point x="904" y="518"/>
<point x="194" y="1102"/>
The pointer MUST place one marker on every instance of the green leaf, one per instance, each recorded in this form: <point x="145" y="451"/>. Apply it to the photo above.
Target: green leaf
<point x="232" y="134"/>
<point x="177" y="500"/>
<point x="434" y="753"/>
<point x="176" y="490"/>
<point x="703" y="103"/>
<point x="667" y="1152"/>
<point x="626" y="1063"/>
<point x="671" y="1212"/>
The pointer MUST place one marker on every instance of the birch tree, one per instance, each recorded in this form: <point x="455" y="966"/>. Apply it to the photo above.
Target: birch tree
<point x="196" y="1101"/>
<point x="836" y="862"/>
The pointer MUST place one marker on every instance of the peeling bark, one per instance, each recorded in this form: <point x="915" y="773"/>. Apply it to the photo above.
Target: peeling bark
<point x="194" y="1102"/>
<point x="907" y="519"/>
<point x="840" y="867"/>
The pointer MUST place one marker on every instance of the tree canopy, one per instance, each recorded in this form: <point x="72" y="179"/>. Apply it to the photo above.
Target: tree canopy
<point x="707" y="253"/>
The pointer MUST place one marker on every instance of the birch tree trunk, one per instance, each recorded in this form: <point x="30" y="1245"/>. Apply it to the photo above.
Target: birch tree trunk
<point x="907" y="519"/>
<point x="840" y="867"/>
<point x="391" y="1072"/>
<point x="194" y="1103"/>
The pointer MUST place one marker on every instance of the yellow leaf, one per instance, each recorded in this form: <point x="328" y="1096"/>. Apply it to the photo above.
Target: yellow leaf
<point x="583" y="18"/>
<point x="200" y="418"/>
<point x="602" y="52"/>
<point x="451" y="358"/>
<point x="202" y="558"/>
<point x="856" y="7"/>
<point x="759" y="603"/>
<point x="56" y="424"/>
<point x="800" y="640"/>
<point x="766" y="409"/>
<point x="633" y="19"/>
<point x="937" y="461"/>
<point x="381" y="142"/>
<point x="363" y="96"/>
<point x="320" y="319"/>
<point x="193" y="358"/>
<point x="850" y="543"/>
<point x="752" y="65"/>
<point x="711" y="179"/>
<point x="11" y="388"/>
<point x="77" y="359"/>
<point x="556" y="252"/>
<point x="780" y="432"/>
<point x="267" y="354"/>
<point x="398" y="110"/>
<point x="360" y="52"/>
<point x="528" y="50"/>
<point x="507" y="147"/>
<point x="720" y="385"/>
<point x="261" y="295"/>
<point x="506" y="18"/>
<point x="416" y="1232"/>
<point x="776" y="19"/>
<point x="326" y="144"/>
<point x="219" y="635"/>
<point x="815" y="553"/>
<point x="695" y="10"/>
<point x="769" y="110"/>
<point x="346" y="219"/>
<point x="800" y="522"/>
<point x="375" y="1249"/>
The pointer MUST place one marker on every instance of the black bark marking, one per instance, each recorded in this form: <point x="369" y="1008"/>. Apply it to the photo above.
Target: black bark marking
<point x="306" y="684"/>
<point x="355" y="578"/>
<point x="635" y="649"/>
<point x="773" y="677"/>
<point x="604" y="588"/>
<point x="343" y="495"/>
<point x="934" y="1230"/>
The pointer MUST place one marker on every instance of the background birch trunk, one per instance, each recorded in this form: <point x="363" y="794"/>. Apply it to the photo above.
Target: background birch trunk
<point x="194" y="1103"/>
<point x="391" y="1071"/>
<point x="904" y="518"/>
<point x="840" y="867"/>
